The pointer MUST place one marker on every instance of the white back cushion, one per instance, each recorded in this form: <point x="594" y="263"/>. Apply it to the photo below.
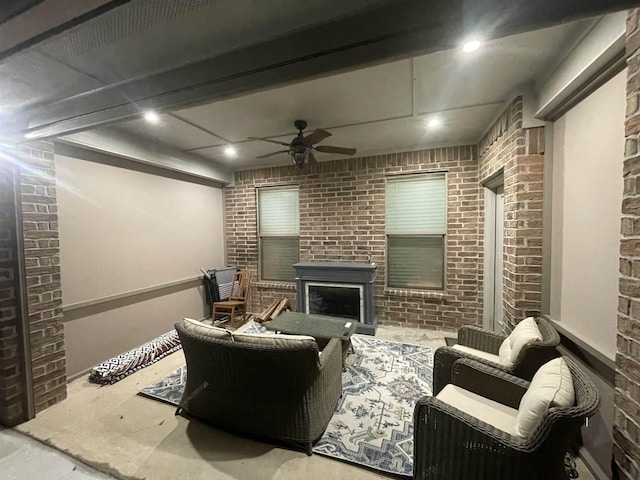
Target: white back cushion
<point x="551" y="386"/>
<point x="525" y="333"/>
<point x="476" y="353"/>
<point x="276" y="340"/>
<point x="199" y="328"/>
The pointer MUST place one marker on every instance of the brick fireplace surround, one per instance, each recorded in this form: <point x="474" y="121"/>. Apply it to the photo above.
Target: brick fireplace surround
<point x="342" y="219"/>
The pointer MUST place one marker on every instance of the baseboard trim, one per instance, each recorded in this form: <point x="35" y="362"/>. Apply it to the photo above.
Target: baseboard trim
<point x="76" y="376"/>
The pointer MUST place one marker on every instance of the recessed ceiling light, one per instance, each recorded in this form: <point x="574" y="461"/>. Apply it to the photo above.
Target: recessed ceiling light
<point x="151" y="117"/>
<point x="231" y="152"/>
<point x="471" y="46"/>
<point x="435" y="122"/>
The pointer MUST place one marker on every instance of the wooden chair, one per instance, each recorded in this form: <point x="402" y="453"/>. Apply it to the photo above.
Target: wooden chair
<point x="236" y="306"/>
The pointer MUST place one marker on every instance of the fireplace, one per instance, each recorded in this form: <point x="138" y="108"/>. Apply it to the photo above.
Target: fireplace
<point x="338" y="289"/>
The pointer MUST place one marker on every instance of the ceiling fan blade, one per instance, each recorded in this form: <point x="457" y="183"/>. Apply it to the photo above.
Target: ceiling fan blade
<point x="268" y="140"/>
<point x="274" y="153"/>
<point x="316" y="136"/>
<point x="329" y="149"/>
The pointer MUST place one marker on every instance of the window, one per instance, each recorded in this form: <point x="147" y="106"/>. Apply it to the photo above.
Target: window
<point x="416" y="216"/>
<point x="279" y="232"/>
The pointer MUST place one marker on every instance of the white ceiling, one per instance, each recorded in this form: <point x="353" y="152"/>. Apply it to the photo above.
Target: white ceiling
<point x="379" y="109"/>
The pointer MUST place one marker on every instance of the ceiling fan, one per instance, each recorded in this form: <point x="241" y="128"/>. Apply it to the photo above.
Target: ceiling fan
<point x="302" y="147"/>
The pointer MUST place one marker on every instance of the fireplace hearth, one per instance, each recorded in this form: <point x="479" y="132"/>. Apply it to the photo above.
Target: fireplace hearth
<point x="338" y="289"/>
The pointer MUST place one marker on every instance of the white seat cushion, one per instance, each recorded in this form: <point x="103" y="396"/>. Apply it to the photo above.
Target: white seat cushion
<point x="486" y="410"/>
<point x="525" y="333"/>
<point x="551" y="386"/>
<point x="199" y="328"/>
<point x="477" y="353"/>
<point x="270" y="339"/>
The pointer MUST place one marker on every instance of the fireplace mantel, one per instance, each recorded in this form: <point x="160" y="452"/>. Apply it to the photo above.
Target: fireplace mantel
<point x="335" y="274"/>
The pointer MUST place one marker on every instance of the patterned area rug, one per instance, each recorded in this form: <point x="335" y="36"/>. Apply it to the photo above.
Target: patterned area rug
<point x="373" y="422"/>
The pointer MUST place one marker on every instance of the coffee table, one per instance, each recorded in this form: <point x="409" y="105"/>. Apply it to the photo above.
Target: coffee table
<point x="317" y="326"/>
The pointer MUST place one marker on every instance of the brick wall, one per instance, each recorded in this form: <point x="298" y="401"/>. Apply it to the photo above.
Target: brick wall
<point x="519" y="154"/>
<point x="342" y="219"/>
<point x="626" y="430"/>
<point x="11" y="364"/>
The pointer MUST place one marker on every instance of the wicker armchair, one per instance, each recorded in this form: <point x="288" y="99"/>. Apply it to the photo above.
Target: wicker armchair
<point x="526" y="365"/>
<point x="286" y="393"/>
<point x="452" y="445"/>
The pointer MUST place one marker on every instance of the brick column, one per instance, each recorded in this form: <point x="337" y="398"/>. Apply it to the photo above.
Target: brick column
<point x="42" y="268"/>
<point x="523" y="227"/>
<point x="12" y="372"/>
<point x="519" y="153"/>
<point x="626" y="430"/>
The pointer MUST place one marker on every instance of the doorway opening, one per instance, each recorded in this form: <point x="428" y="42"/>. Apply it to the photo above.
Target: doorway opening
<point x="493" y="317"/>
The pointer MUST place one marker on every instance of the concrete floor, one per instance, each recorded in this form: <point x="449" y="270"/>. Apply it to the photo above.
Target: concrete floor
<point x="22" y="457"/>
<point x="132" y="437"/>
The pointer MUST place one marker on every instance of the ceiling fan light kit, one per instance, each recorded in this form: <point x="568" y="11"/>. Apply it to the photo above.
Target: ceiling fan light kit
<point x="301" y="148"/>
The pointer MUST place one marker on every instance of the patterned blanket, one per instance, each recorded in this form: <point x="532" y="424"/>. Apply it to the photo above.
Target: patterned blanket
<point x="117" y="368"/>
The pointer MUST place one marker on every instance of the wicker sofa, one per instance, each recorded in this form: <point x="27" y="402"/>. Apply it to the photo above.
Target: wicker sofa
<point x="451" y="444"/>
<point x="483" y="345"/>
<point x="285" y="391"/>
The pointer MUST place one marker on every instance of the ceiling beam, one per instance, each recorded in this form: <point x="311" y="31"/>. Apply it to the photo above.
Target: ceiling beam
<point x="393" y="30"/>
<point x="149" y="153"/>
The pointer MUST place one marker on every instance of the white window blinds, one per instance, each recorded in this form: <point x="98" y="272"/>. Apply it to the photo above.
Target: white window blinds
<point x="416" y="218"/>
<point x="279" y="230"/>
<point x="416" y="204"/>
<point x="279" y="211"/>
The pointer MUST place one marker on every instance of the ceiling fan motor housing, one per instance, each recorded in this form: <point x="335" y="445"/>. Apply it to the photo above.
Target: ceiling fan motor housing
<point x="298" y="144"/>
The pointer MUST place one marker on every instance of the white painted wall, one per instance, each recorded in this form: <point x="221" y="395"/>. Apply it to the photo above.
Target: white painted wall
<point x="124" y="230"/>
<point x="588" y="153"/>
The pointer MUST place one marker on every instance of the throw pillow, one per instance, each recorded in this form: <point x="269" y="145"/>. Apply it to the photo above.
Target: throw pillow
<point x="199" y="328"/>
<point x="551" y="386"/>
<point x="525" y="333"/>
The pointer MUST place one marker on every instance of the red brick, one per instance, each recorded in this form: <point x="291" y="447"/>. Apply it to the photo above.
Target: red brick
<point x="627" y="409"/>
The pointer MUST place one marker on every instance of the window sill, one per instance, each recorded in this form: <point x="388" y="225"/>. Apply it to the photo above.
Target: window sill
<point x="266" y="284"/>
<point x="429" y="294"/>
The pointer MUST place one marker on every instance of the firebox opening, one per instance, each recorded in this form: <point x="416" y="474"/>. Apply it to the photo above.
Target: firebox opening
<point x="336" y="300"/>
